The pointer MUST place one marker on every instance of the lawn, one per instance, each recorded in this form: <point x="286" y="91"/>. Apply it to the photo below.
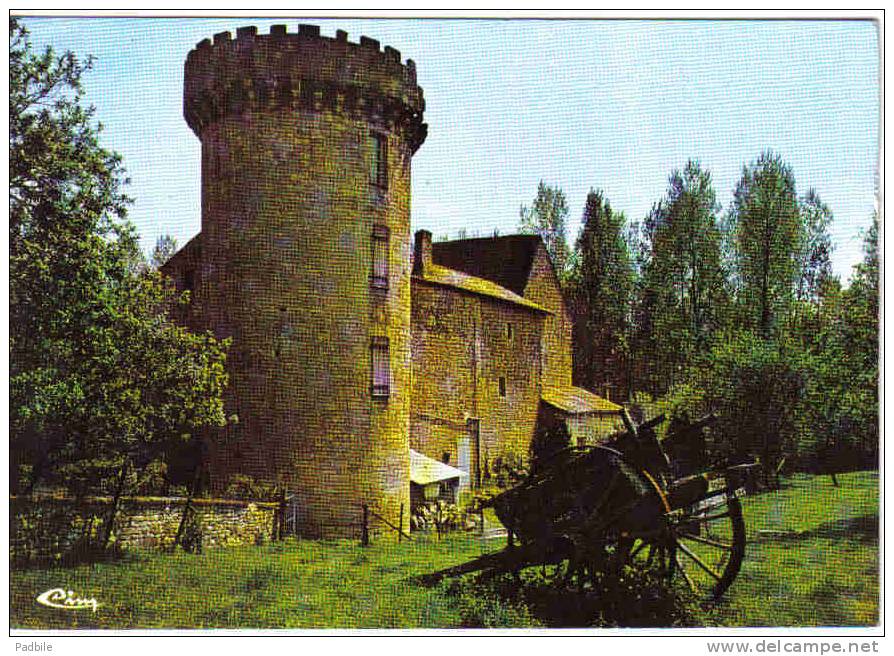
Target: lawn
<point x="289" y="584"/>
<point x="812" y="560"/>
<point x="812" y="557"/>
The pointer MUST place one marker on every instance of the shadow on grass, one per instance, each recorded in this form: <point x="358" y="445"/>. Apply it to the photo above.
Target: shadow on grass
<point x="864" y="528"/>
<point x="639" y="599"/>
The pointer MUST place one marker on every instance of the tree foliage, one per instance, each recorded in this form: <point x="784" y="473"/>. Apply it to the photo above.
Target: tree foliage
<point x="683" y="297"/>
<point x="601" y="287"/>
<point x="101" y="382"/>
<point x="815" y="256"/>
<point x="165" y="248"/>
<point x="768" y="237"/>
<point x="546" y="217"/>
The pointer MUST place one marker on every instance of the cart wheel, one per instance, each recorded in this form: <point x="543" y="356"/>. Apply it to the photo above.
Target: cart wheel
<point x="702" y="545"/>
<point x="706" y="546"/>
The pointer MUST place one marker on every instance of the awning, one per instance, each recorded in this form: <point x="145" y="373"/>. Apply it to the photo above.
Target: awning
<point x="576" y="400"/>
<point x="425" y="470"/>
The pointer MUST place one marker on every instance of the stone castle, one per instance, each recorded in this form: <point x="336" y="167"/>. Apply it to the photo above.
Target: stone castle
<point x="353" y="344"/>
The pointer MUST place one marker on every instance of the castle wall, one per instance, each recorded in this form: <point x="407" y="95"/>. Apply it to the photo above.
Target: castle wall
<point x="461" y="349"/>
<point x="288" y="125"/>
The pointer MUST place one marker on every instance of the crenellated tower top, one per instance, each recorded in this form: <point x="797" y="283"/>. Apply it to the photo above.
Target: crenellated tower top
<point x="303" y="70"/>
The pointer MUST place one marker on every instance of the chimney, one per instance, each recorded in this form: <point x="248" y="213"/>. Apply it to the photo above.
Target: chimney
<point x="422" y="252"/>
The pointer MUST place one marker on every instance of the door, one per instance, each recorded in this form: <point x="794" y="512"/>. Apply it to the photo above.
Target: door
<point x="464" y="461"/>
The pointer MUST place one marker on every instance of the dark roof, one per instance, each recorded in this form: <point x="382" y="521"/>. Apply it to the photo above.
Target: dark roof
<point x="505" y="261"/>
<point x="191" y="253"/>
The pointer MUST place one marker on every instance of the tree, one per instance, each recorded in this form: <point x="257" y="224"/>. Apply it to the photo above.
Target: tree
<point x="684" y="293"/>
<point x="841" y="406"/>
<point x="102" y="383"/>
<point x="165" y="247"/>
<point x="602" y="290"/>
<point x="768" y="238"/>
<point x="815" y="256"/>
<point x="859" y="366"/>
<point x="546" y="217"/>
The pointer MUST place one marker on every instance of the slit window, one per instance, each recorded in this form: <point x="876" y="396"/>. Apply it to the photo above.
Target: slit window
<point x="380" y="161"/>
<point x="378" y="278"/>
<point x="508" y="331"/>
<point x="189" y="280"/>
<point x="381" y="367"/>
<point x="502" y="386"/>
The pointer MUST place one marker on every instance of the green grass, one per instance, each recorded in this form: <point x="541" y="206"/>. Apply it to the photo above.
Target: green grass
<point x="812" y="557"/>
<point x="812" y="560"/>
<point x="291" y="584"/>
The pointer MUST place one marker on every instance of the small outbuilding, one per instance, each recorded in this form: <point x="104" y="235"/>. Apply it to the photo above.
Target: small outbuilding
<point x="589" y="418"/>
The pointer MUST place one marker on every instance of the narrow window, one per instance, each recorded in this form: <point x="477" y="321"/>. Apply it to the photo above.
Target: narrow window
<point x="380" y="161"/>
<point x="189" y="280"/>
<point x="378" y="279"/>
<point x="502" y="386"/>
<point x="508" y="330"/>
<point x="381" y="368"/>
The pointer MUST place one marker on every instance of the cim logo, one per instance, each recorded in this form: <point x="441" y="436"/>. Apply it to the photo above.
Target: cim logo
<point x="66" y="600"/>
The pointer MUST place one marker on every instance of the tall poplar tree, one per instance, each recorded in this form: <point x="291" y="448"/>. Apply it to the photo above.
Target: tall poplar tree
<point x="768" y="237"/>
<point x="602" y="291"/>
<point x="684" y="293"/>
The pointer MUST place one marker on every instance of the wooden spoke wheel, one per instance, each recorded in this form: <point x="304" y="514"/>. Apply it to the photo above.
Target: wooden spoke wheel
<point x="702" y="545"/>
<point x="707" y="545"/>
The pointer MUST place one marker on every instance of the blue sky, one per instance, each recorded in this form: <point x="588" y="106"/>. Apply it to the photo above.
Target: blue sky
<point x="615" y="105"/>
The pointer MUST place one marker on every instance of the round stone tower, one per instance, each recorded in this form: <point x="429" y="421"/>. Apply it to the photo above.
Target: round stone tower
<point x="305" y="263"/>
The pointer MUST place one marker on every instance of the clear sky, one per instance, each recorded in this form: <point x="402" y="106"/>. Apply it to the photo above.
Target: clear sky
<point x="615" y="105"/>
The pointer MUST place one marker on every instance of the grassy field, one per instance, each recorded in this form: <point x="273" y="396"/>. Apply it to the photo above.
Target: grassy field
<point x="812" y="560"/>
<point x="812" y="557"/>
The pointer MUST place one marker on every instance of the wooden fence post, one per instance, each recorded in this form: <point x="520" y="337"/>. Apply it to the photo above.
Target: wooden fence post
<point x="282" y="515"/>
<point x="364" y="527"/>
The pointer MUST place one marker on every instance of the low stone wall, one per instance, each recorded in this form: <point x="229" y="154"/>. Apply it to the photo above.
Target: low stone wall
<point x="51" y="529"/>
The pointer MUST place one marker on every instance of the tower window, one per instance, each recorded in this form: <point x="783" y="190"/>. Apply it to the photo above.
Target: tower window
<point x="189" y="280"/>
<point x="380" y="161"/>
<point x="378" y="279"/>
<point x="508" y="330"/>
<point x="502" y="386"/>
<point x="381" y="368"/>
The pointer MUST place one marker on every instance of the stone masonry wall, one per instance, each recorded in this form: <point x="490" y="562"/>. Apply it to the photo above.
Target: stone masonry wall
<point x="50" y="529"/>
<point x="462" y="347"/>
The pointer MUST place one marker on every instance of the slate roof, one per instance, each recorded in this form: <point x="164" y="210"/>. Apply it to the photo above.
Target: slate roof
<point x="440" y="275"/>
<point x="190" y="253"/>
<point x="505" y="261"/>
<point x="576" y="400"/>
<point x="425" y="470"/>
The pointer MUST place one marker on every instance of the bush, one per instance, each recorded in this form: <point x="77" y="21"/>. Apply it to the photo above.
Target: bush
<point x="246" y="487"/>
<point x="442" y="517"/>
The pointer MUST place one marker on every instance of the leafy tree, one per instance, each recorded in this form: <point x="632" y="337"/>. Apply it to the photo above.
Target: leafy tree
<point x="546" y="217"/>
<point x="602" y="290"/>
<point x="860" y="349"/>
<point x="768" y="240"/>
<point x="840" y="413"/>
<point x="815" y="256"/>
<point x="102" y="383"/>
<point x="753" y="386"/>
<point x="165" y="248"/>
<point x="683" y="293"/>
